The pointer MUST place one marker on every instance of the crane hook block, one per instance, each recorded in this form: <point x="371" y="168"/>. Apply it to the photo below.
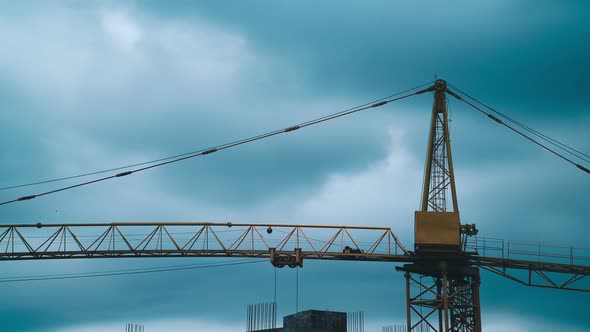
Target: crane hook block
<point x="282" y="259"/>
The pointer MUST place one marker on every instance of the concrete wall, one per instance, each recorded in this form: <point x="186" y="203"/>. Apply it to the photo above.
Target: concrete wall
<point x="315" y="321"/>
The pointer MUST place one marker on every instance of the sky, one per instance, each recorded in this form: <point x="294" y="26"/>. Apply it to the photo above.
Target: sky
<point x="90" y="85"/>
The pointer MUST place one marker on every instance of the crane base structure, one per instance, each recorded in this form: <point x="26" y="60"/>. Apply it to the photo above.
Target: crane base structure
<point x="443" y="296"/>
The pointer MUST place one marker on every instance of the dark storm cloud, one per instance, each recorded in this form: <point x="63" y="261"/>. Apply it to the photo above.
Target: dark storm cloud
<point x="181" y="111"/>
<point x="18" y="136"/>
<point x="87" y="87"/>
<point x="520" y="50"/>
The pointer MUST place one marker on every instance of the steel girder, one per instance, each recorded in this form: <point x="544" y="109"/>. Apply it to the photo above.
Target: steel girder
<point x="200" y="239"/>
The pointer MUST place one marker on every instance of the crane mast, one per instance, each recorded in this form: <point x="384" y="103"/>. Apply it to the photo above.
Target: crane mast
<point x="435" y="228"/>
<point x="438" y="175"/>
<point x="447" y="294"/>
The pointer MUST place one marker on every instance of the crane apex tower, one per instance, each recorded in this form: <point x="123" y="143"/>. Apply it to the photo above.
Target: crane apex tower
<point x="435" y="228"/>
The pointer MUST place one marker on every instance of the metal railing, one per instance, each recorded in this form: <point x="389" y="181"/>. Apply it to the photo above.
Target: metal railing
<point x="527" y="250"/>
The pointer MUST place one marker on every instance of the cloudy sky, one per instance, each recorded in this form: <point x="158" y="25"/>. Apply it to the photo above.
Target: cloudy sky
<point x="86" y="86"/>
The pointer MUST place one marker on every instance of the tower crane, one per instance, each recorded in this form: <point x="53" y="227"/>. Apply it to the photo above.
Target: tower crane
<point x="446" y="253"/>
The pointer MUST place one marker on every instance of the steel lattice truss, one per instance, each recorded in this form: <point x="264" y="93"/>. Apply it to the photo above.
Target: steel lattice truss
<point x="444" y="302"/>
<point x="538" y="274"/>
<point x="200" y="239"/>
<point x="284" y="245"/>
<point x="440" y="178"/>
<point x="439" y="175"/>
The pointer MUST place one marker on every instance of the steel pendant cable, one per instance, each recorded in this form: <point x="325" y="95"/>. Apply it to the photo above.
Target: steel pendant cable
<point x="564" y="147"/>
<point x="126" y="272"/>
<point x="171" y="157"/>
<point x="499" y="121"/>
<point x="203" y="152"/>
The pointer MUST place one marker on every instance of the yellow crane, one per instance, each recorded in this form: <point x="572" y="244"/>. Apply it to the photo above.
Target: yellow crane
<point x="445" y="251"/>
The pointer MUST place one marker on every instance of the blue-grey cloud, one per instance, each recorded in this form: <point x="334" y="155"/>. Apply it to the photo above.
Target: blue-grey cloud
<point x="89" y="86"/>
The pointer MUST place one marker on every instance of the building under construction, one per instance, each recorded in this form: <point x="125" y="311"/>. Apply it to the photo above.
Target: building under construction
<point x="309" y="321"/>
